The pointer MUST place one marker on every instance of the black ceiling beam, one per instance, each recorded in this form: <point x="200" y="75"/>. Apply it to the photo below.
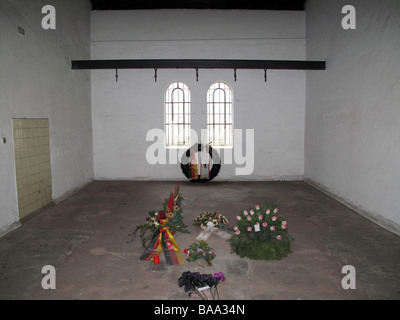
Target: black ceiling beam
<point x="198" y="64"/>
<point x="297" y="5"/>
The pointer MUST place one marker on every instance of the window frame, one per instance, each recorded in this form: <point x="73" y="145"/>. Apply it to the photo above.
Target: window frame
<point x="231" y="123"/>
<point x="186" y="112"/>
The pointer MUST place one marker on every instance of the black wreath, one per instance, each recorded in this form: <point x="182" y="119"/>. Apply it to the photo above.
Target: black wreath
<point x="186" y="164"/>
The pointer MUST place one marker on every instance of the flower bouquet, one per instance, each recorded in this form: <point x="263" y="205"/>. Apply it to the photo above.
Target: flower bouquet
<point x="195" y="282"/>
<point x="200" y="250"/>
<point x="159" y="229"/>
<point x="219" y="220"/>
<point x="170" y="216"/>
<point x="261" y="234"/>
<point x="211" y="223"/>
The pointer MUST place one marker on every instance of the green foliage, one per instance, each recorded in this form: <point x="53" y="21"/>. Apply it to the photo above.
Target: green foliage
<point x="146" y="230"/>
<point x="261" y="234"/>
<point x="256" y="250"/>
<point x="176" y="222"/>
<point x="156" y="221"/>
<point x="199" y="250"/>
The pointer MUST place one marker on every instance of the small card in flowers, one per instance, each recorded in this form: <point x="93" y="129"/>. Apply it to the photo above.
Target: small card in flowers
<point x="257" y="227"/>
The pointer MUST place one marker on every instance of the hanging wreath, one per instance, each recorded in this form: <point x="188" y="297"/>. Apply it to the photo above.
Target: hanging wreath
<point x="201" y="168"/>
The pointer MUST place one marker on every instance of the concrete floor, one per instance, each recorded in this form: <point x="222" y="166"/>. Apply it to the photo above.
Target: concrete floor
<point x="85" y="238"/>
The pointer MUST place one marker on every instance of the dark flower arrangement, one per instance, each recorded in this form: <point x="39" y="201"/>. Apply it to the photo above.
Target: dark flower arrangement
<point x="261" y="234"/>
<point x="195" y="282"/>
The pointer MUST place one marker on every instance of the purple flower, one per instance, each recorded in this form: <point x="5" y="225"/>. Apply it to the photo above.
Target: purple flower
<point x="220" y="275"/>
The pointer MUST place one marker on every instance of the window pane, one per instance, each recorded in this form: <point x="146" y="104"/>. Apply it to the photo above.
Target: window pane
<point x="177" y="114"/>
<point x="219" y="114"/>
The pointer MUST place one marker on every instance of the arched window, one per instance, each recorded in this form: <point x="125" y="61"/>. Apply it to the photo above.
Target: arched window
<point x="177" y="115"/>
<point x="220" y="115"/>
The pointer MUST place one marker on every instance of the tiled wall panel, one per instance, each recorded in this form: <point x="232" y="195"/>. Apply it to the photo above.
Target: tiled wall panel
<point x="32" y="164"/>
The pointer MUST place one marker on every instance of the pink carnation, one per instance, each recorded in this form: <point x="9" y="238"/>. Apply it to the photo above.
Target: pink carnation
<point x="284" y="227"/>
<point x="248" y="218"/>
<point x="279" y="237"/>
<point x="237" y="231"/>
<point x="235" y="228"/>
<point x="272" y="228"/>
<point x="260" y="217"/>
<point x="284" y="223"/>
<point x="257" y="207"/>
<point x="274" y="218"/>
<point x="249" y="229"/>
<point x="238" y="218"/>
<point x="268" y="211"/>
<point x="265" y="224"/>
<point x="245" y="212"/>
<point x="276" y="210"/>
<point x="251" y="211"/>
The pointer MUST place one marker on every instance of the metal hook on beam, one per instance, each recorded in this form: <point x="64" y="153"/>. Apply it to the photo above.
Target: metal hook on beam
<point x="116" y="75"/>
<point x="234" y="74"/>
<point x="265" y="75"/>
<point x="197" y="74"/>
<point x="155" y="74"/>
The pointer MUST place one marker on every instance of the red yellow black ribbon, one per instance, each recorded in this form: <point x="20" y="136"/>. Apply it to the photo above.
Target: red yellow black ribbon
<point x="163" y="240"/>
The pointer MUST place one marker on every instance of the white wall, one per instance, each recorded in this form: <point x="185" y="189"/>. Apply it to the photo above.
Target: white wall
<point x="36" y="81"/>
<point x="352" y="136"/>
<point x="124" y="112"/>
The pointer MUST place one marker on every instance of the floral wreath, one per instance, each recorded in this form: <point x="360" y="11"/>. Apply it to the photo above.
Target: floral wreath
<point x="218" y="219"/>
<point x="261" y="233"/>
